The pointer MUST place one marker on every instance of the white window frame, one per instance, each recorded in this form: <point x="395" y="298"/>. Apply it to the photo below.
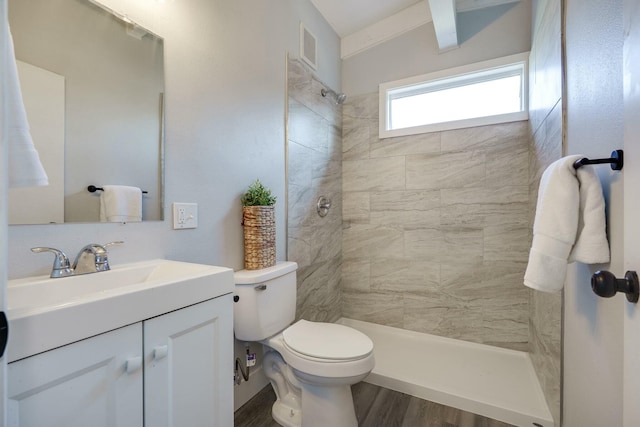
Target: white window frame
<point x="452" y="77"/>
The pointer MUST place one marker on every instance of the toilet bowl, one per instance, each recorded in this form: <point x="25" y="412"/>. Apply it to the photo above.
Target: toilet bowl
<point x="311" y="365"/>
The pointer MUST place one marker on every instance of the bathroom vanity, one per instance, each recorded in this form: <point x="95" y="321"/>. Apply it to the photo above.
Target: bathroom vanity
<point x="154" y="351"/>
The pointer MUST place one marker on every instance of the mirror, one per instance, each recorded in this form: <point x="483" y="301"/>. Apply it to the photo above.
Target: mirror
<point x="93" y="87"/>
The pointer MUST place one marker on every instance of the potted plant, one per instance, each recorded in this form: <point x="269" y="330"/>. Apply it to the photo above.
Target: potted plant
<point x="258" y="220"/>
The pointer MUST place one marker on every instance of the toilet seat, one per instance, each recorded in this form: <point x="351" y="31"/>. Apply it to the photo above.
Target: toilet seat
<point x="326" y="342"/>
<point x="355" y="362"/>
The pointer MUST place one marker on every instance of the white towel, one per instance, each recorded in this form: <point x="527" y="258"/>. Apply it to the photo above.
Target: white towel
<point x="570" y="224"/>
<point x="25" y="168"/>
<point x="120" y="203"/>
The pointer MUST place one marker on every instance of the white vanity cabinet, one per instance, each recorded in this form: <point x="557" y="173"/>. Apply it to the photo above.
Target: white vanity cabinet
<point x="188" y="378"/>
<point x="81" y="384"/>
<point x="170" y="370"/>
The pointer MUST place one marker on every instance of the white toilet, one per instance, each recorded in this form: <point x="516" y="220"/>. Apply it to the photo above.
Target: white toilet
<point x="311" y="365"/>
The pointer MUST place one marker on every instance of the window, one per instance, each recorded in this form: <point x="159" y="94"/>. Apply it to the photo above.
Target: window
<point x="479" y="94"/>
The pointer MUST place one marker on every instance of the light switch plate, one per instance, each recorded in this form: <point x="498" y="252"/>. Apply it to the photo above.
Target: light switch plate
<point x="185" y="215"/>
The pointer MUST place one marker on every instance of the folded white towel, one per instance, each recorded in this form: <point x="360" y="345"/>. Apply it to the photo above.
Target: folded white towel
<point x="570" y="224"/>
<point x="25" y="168"/>
<point x="120" y="203"/>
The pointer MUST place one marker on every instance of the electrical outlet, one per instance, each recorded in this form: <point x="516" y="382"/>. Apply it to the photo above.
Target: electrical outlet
<point x="185" y="215"/>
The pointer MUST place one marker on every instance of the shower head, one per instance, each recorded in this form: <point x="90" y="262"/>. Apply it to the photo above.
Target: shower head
<point x="339" y="97"/>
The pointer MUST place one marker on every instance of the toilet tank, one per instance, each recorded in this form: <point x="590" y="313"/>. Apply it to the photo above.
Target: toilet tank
<point x="266" y="301"/>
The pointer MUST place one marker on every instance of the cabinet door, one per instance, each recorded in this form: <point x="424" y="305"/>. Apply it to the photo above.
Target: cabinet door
<point x="96" y="382"/>
<point x="188" y="366"/>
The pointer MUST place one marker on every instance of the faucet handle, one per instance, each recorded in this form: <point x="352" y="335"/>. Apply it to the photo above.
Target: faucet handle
<point x="102" y="260"/>
<point x="61" y="266"/>
<point x="116" y="243"/>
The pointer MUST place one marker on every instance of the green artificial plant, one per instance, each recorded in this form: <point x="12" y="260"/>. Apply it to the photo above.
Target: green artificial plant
<point x="258" y="195"/>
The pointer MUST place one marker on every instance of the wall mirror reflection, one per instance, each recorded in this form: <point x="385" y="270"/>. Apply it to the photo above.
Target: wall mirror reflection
<point x="93" y="87"/>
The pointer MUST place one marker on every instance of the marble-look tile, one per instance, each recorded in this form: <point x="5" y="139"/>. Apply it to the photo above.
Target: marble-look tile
<point x="385" y="308"/>
<point x="356" y="207"/>
<point x="446" y="170"/>
<point x="318" y="297"/>
<point x="424" y="244"/>
<point x="301" y="207"/>
<point x="307" y="127"/>
<point x="461" y="243"/>
<point x="299" y="170"/>
<point x="374" y="174"/>
<point x="355" y="143"/>
<point x="500" y="325"/>
<point x="510" y="164"/>
<point x="482" y="137"/>
<point x="479" y="207"/>
<point x="325" y="242"/>
<point x="362" y="106"/>
<point x="356" y="275"/>
<point x="364" y="241"/>
<point x="406" y="209"/>
<point x="335" y="143"/>
<point x="403" y="145"/>
<point x="507" y="243"/>
<point x="402" y="275"/>
<point x="299" y="246"/>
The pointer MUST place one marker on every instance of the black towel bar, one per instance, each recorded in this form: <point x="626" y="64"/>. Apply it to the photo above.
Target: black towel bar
<point x="93" y="189"/>
<point x="616" y="160"/>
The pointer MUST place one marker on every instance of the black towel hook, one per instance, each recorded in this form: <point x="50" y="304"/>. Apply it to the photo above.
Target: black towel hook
<point x="616" y="160"/>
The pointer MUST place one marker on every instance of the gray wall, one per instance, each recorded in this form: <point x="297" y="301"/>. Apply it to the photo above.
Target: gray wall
<point x="593" y="326"/>
<point x="416" y="52"/>
<point x="436" y="232"/>
<point x="546" y="124"/>
<point x="314" y="169"/>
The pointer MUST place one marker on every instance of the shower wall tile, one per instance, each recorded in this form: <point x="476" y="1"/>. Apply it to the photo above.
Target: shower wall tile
<point x="546" y="146"/>
<point x="314" y="168"/>
<point x="404" y="275"/>
<point x="365" y="240"/>
<point x="355" y="143"/>
<point x="374" y="174"/>
<point x="356" y="207"/>
<point x="444" y="248"/>
<point x="356" y="276"/>
<point x="446" y="170"/>
<point x="485" y="206"/>
<point x="385" y="308"/>
<point x="403" y="145"/>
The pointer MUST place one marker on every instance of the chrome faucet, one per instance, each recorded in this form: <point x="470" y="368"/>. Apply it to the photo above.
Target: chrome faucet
<point x="61" y="266"/>
<point x="92" y="258"/>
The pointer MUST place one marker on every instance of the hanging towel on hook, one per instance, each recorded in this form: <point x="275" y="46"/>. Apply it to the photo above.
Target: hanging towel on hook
<point x="570" y="224"/>
<point x="25" y="168"/>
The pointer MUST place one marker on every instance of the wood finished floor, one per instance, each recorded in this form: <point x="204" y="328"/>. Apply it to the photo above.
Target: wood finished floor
<point x="375" y="407"/>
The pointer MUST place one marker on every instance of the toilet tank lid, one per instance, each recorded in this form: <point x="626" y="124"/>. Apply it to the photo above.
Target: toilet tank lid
<point x="249" y="277"/>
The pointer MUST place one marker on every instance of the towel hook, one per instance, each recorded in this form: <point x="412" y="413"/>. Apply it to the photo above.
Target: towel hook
<point x="616" y="160"/>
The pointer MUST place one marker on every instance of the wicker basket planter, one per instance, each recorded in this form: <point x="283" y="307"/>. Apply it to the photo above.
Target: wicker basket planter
<point x="259" y="237"/>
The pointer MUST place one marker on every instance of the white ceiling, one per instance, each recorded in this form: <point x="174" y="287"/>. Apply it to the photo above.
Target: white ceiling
<point x="362" y="24"/>
<point x="349" y="16"/>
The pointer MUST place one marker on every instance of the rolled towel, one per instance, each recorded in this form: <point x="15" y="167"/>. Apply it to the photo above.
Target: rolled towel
<point x="25" y="168"/>
<point x="570" y="224"/>
<point x="120" y="203"/>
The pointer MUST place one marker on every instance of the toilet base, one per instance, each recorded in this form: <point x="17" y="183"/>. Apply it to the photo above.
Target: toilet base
<point x="285" y="415"/>
<point x="328" y="406"/>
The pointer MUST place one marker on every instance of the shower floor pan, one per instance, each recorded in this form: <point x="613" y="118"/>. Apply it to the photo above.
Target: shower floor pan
<point x="485" y="380"/>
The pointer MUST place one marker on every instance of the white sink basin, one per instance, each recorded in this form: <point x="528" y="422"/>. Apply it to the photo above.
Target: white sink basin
<point x="45" y="313"/>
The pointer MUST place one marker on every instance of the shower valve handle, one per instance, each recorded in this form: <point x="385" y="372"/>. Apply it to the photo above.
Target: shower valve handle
<point x="606" y="285"/>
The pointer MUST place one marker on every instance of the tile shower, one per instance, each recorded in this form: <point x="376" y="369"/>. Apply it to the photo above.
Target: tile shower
<point x="436" y="228"/>
<point x="429" y="233"/>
